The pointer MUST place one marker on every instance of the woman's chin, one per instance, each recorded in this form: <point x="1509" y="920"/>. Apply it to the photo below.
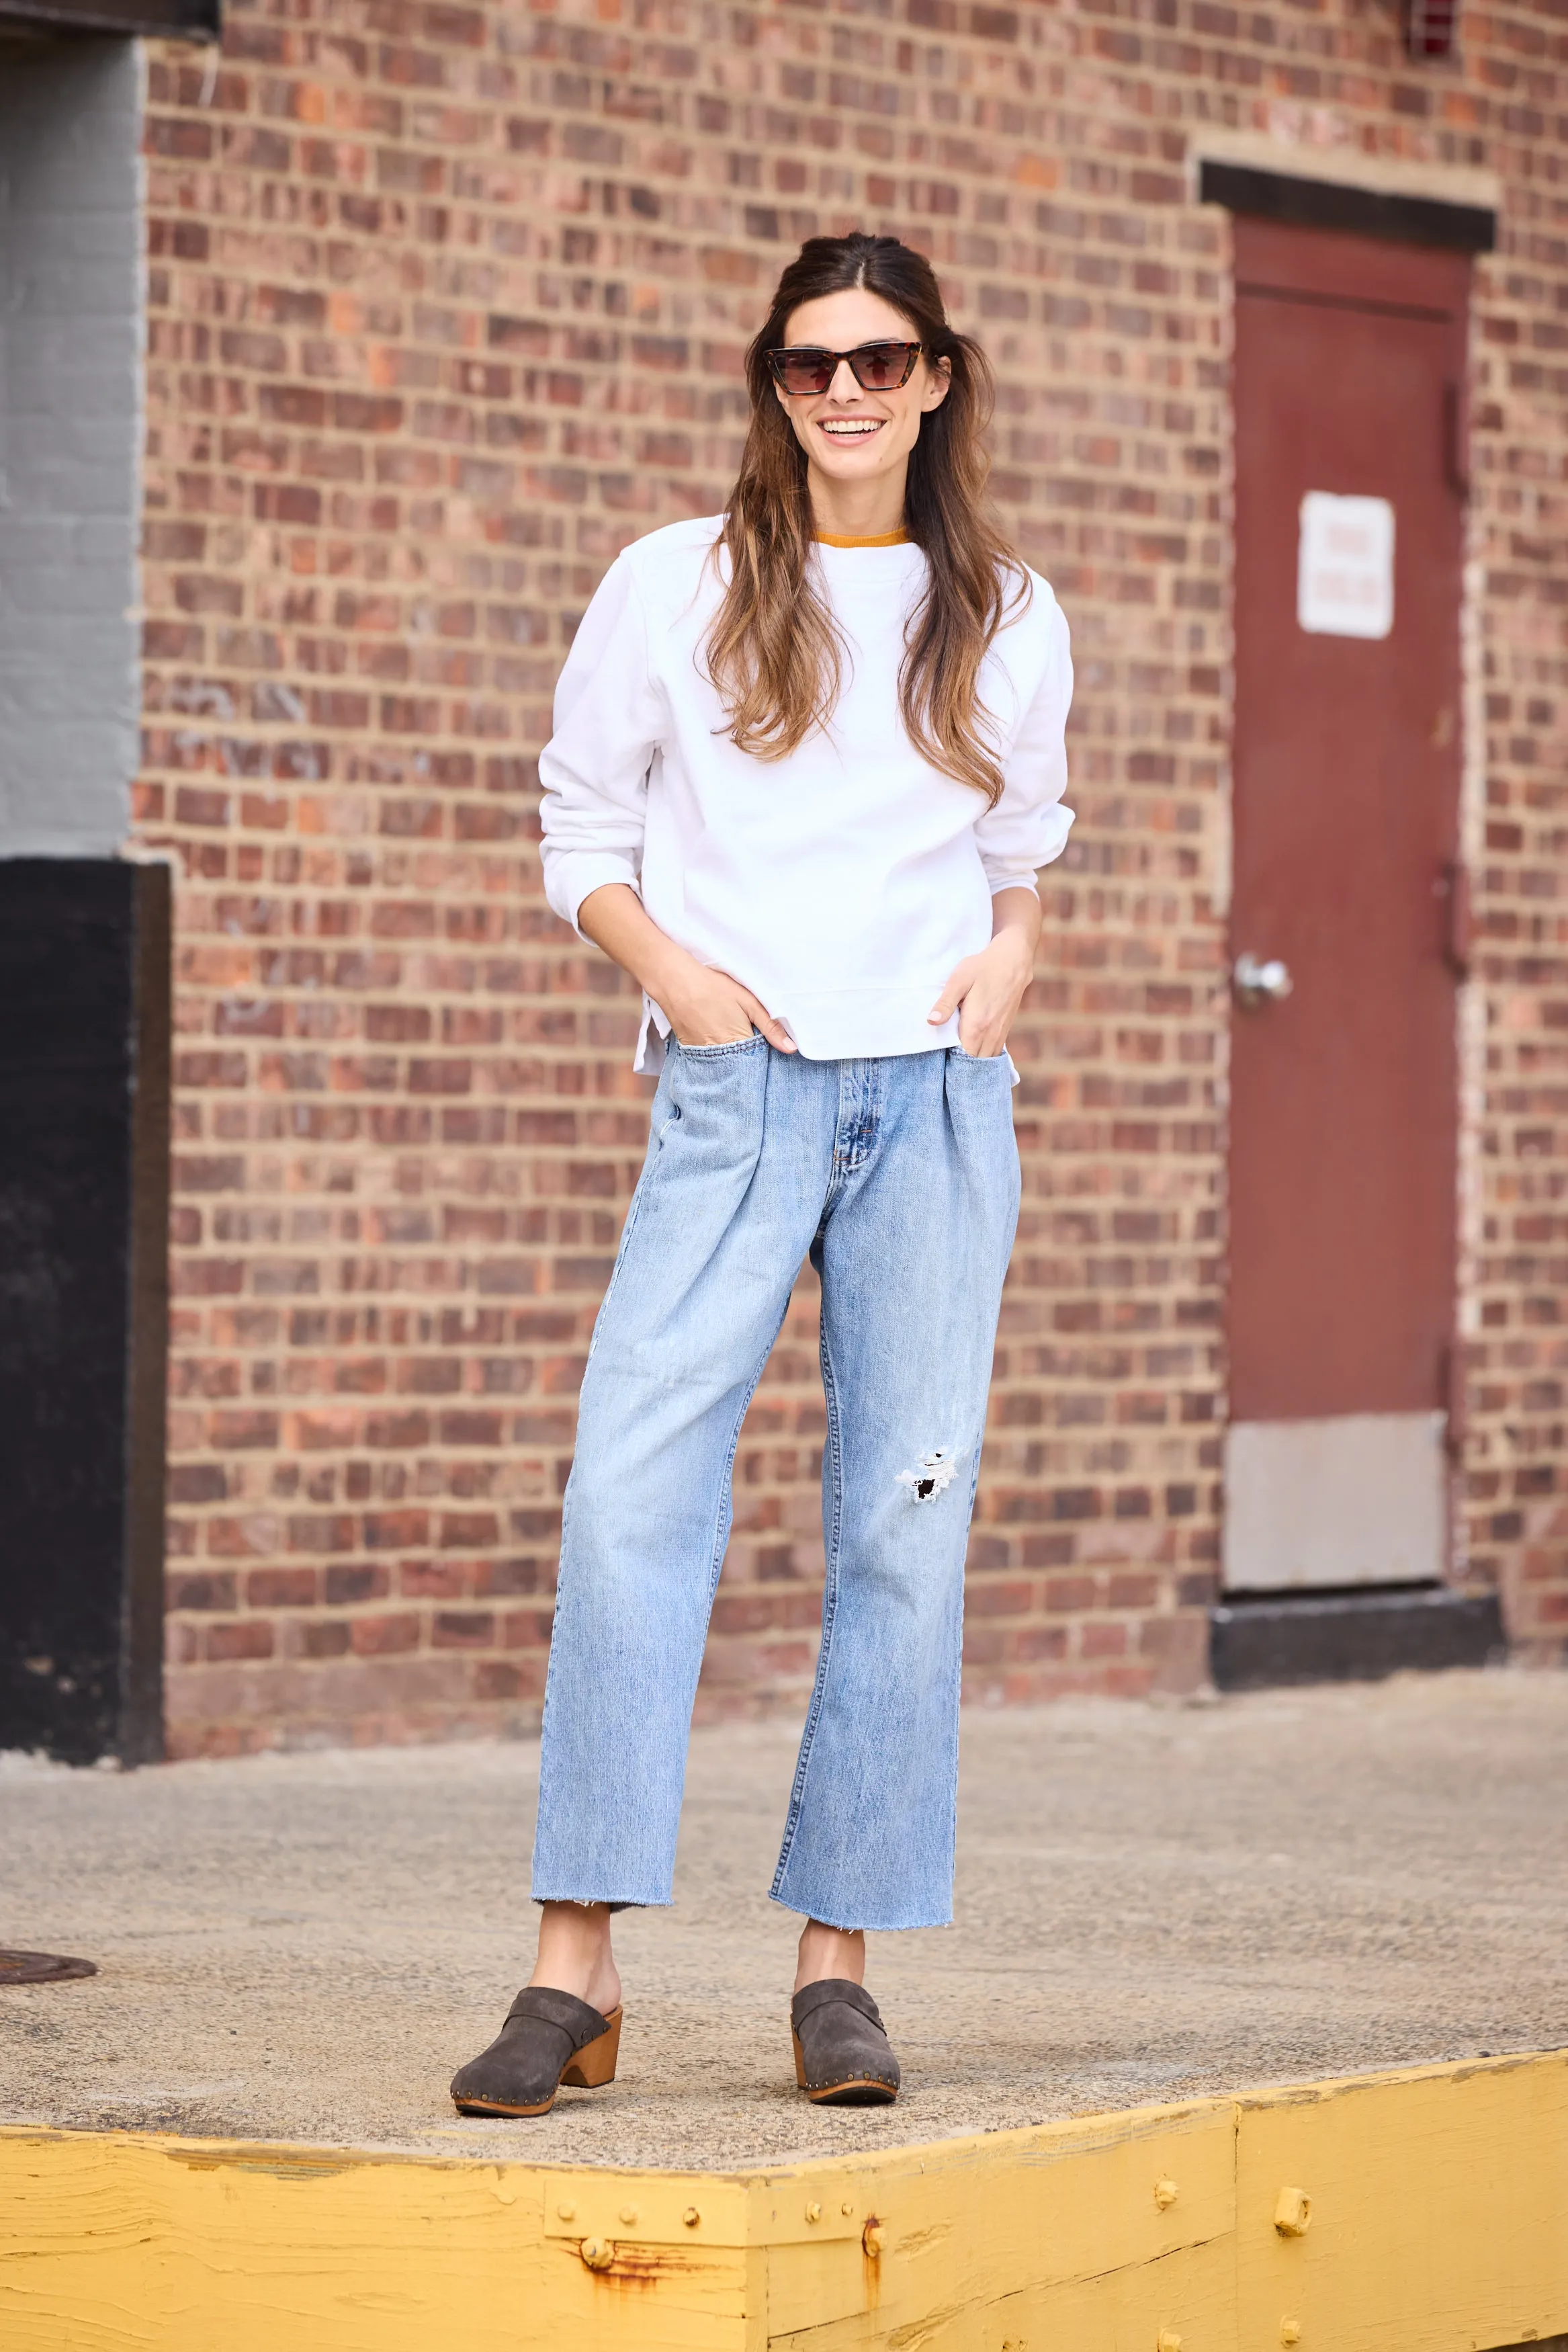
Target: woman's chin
<point x="852" y="465"/>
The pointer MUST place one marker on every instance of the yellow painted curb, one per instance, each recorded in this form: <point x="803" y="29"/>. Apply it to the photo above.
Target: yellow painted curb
<point x="1425" y="2210"/>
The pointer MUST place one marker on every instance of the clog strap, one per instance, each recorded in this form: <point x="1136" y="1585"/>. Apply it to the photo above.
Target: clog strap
<point x="833" y="1988"/>
<point x="574" y="2018"/>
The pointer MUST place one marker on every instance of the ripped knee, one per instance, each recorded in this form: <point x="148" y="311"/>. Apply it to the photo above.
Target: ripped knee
<point x="932" y="1475"/>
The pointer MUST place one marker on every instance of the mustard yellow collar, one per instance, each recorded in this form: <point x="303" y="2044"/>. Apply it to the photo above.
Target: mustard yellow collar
<point x="888" y="539"/>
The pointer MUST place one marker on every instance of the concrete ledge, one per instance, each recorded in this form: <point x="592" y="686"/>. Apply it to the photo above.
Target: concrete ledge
<point x="1337" y="205"/>
<point x="1156" y="1905"/>
<point x="1422" y="2210"/>
<point x="1275" y="1638"/>
<point x="180" y="20"/>
<point x="1347" y="164"/>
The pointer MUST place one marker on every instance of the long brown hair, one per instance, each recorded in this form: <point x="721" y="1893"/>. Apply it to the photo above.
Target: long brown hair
<point x="773" y="652"/>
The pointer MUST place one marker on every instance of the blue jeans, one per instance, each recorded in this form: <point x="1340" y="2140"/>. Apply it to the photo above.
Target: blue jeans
<point x="900" y="1177"/>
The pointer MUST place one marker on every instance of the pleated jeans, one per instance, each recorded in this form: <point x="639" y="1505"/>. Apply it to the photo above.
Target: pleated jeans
<point x="899" y="1177"/>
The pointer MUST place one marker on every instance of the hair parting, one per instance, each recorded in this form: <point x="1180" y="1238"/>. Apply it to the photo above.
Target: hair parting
<point x="774" y="652"/>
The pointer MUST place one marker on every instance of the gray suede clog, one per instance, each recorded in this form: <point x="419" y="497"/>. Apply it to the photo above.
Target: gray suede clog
<point x="549" y="2038"/>
<point x="843" y="2055"/>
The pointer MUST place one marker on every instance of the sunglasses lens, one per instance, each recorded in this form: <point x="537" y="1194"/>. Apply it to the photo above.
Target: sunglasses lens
<point x="803" y="371"/>
<point x="878" y="367"/>
<point x="882" y="367"/>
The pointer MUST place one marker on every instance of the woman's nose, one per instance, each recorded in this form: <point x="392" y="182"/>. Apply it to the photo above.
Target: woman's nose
<point x="844" y="385"/>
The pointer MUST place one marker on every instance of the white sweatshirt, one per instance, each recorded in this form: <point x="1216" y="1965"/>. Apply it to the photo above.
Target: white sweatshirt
<point x="841" y="885"/>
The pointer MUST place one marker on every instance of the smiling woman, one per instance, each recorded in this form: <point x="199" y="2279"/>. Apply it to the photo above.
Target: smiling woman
<point x="888" y="448"/>
<point x="808" y="758"/>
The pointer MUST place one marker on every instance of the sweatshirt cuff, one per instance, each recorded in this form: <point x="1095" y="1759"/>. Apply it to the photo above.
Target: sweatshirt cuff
<point x="572" y="874"/>
<point x="1010" y="877"/>
<point x="1019" y="873"/>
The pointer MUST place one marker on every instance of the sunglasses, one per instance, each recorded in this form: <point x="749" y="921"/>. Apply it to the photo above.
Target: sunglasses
<point x="877" y="367"/>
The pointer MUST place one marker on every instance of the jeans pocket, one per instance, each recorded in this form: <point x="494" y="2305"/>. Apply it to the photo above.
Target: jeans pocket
<point x="711" y="1052"/>
<point x="1002" y="1061"/>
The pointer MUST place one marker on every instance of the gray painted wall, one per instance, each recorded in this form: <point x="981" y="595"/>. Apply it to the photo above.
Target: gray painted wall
<point x="71" y="432"/>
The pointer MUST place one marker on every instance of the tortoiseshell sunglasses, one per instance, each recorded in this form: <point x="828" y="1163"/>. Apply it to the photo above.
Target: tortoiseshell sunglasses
<point x="877" y="367"/>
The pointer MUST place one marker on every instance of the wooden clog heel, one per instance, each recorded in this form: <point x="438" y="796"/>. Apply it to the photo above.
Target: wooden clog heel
<point x="594" y="2064"/>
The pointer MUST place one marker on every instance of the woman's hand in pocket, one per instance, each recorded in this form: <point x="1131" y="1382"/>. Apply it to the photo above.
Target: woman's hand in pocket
<point x="708" y="1008"/>
<point x="703" y="1007"/>
<point x="986" y="991"/>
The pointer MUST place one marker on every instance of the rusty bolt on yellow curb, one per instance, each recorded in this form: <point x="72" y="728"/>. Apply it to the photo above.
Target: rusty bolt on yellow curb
<point x="1164" y="2195"/>
<point x="1292" y="2212"/>
<point x="870" y="2238"/>
<point x="598" y="2253"/>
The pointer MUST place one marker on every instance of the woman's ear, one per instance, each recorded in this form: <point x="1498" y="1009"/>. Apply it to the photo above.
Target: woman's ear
<point x="938" y="384"/>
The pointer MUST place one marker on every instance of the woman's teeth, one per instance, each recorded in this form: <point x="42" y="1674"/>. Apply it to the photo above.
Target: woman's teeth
<point x="853" y="428"/>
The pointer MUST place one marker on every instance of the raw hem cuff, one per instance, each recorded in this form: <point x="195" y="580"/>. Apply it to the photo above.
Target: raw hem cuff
<point x="874" y="1927"/>
<point x="665" y="1903"/>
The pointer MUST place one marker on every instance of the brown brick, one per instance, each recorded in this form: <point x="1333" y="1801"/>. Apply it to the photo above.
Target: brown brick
<point x="280" y="1588"/>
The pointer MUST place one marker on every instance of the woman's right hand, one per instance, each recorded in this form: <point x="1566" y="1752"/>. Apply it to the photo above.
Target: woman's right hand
<point x="704" y="1007"/>
<point x="708" y="1008"/>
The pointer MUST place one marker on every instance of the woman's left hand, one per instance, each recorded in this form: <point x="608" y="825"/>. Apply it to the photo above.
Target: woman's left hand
<point x="986" y="989"/>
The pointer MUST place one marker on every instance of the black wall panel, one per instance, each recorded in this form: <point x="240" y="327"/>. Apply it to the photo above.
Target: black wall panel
<point x="84" y="1144"/>
<point x="188" y="20"/>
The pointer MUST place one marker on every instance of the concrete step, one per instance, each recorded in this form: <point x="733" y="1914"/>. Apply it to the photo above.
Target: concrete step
<point x="1259" y="1640"/>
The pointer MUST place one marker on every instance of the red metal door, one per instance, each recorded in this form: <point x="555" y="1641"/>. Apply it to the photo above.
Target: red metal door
<point x="1350" y="357"/>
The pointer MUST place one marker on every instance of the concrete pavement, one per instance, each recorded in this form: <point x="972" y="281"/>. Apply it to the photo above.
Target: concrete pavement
<point x="1153" y="1901"/>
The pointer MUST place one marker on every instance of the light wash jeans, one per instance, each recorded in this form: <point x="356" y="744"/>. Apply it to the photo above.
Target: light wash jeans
<point x="900" y="1176"/>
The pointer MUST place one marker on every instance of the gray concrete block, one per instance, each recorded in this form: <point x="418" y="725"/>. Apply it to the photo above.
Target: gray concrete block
<point x="70" y="424"/>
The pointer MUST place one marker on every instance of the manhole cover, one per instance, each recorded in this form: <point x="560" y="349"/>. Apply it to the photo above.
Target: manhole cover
<point x="41" y="1968"/>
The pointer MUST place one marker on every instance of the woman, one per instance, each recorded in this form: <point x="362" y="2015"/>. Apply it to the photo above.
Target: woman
<point x="808" y="758"/>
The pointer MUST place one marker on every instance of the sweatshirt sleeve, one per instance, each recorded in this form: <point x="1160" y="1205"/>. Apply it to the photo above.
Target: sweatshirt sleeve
<point x="1028" y="825"/>
<point x="594" y="770"/>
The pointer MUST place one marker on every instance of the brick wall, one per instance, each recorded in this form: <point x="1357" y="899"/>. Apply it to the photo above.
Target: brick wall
<point x="446" y="304"/>
<point x="1516" y="1456"/>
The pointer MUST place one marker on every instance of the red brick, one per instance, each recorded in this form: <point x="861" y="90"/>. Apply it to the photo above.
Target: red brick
<point x="381" y="1636"/>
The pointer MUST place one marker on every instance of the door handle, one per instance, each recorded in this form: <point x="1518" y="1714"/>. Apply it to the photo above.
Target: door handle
<point x="1461" y="923"/>
<point x="1259" y="980"/>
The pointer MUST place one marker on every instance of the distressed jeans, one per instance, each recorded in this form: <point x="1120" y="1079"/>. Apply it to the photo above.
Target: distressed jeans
<point x="900" y="1177"/>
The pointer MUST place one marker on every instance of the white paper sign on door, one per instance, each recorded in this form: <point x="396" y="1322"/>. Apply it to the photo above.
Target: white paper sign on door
<point x="1344" y="572"/>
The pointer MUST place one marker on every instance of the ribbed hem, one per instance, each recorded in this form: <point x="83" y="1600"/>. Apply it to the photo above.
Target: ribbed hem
<point x="842" y="1024"/>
